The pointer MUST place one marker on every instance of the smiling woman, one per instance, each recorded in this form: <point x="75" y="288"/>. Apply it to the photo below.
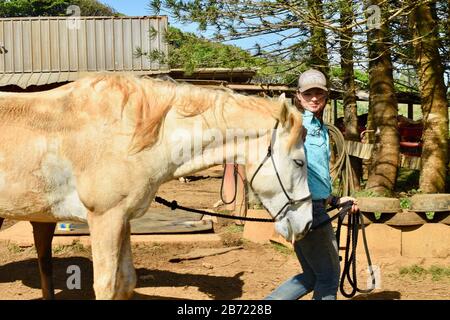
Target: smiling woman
<point x="317" y="251"/>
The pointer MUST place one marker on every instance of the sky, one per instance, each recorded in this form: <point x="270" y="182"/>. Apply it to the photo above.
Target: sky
<point x="141" y="8"/>
<point x="129" y="7"/>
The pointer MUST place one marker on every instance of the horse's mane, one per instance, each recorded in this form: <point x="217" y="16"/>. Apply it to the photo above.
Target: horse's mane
<point x="58" y="109"/>
<point x="155" y="97"/>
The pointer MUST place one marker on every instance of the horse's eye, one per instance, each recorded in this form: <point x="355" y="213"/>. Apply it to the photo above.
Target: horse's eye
<point x="300" y="163"/>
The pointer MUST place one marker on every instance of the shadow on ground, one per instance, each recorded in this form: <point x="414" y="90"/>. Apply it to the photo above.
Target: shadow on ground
<point x="26" y="271"/>
<point x="382" y="295"/>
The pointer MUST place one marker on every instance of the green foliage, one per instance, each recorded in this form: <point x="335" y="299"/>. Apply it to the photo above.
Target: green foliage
<point x="256" y="206"/>
<point x="14" y="248"/>
<point x="429" y="215"/>
<point x="282" y="249"/>
<point x="407" y="180"/>
<point x="190" y="52"/>
<point x="34" y="8"/>
<point x="377" y="215"/>
<point x="235" y="228"/>
<point x="75" y="247"/>
<point x="367" y="194"/>
<point x="405" y="203"/>
<point x="94" y="8"/>
<point x="23" y="8"/>
<point x="438" y="273"/>
<point x="413" y="271"/>
<point x="417" y="272"/>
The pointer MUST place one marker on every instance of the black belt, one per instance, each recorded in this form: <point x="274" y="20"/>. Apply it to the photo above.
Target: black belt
<point x="320" y="201"/>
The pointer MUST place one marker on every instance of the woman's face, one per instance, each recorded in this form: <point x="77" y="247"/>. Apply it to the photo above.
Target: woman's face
<point x="313" y="99"/>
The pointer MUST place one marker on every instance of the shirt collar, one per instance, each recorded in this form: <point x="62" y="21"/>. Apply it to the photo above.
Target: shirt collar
<point x="309" y="116"/>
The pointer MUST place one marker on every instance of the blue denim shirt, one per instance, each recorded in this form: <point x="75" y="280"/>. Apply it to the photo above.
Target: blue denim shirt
<point x="317" y="148"/>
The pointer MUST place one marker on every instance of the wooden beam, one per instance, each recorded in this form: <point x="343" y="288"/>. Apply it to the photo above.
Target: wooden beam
<point x="411" y="110"/>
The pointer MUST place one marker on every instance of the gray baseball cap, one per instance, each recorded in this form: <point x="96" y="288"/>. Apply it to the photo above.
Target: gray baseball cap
<point x="312" y="79"/>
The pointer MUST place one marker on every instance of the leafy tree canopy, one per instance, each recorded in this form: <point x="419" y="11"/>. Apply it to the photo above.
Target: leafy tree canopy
<point x="35" y="8"/>
<point x="189" y="51"/>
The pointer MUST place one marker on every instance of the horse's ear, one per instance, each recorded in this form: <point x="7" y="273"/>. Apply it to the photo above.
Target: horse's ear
<point x="286" y="109"/>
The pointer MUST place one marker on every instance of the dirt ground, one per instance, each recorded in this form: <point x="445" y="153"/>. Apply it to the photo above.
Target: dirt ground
<point x="250" y="273"/>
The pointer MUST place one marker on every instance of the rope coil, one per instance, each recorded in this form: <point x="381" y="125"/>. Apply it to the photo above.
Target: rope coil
<point x="342" y="168"/>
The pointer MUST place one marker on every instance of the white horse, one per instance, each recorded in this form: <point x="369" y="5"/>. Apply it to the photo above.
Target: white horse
<point x="97" y="150"/>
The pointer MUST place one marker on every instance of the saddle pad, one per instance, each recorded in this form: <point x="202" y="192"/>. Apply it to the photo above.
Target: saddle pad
<point x="155" y="221"/>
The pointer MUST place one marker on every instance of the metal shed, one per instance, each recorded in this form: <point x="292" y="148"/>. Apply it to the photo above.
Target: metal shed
<point x="45" y="50"/>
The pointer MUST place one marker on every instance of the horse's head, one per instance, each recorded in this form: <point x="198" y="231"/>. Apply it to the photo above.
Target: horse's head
<point x="279" y="177"/>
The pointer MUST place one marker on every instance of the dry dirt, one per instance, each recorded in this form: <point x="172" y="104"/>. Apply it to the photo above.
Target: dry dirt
<point x="249" y="273"/>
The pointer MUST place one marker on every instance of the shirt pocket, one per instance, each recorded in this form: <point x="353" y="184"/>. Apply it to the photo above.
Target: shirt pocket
<point x="317" y="140"/>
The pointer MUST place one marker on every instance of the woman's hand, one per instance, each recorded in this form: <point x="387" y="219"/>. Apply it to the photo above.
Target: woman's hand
<point x="354" y="206"/>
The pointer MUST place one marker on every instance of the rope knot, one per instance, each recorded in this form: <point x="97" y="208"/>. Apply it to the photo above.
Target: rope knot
<point x="269" y="151"/>
<point x="173" y="205"/>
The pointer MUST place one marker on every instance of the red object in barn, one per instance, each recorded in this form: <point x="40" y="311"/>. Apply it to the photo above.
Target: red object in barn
<point x="410" y="136"/>
<point x="410" y="132"/>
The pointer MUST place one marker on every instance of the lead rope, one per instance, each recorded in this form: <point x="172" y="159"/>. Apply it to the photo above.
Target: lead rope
<point x="355" y="221"/>
<point x="174" y="205"/>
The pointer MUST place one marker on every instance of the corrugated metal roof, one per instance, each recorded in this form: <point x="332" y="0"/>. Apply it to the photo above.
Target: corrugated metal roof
<point x="25" y="80"/>
<point x="45" y="50"/>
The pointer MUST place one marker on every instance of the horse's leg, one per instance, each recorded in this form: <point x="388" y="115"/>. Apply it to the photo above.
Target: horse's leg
<point x="114" y="274"/>
<point x="43" y="235"/>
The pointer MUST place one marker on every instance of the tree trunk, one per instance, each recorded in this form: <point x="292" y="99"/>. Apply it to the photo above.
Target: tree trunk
<point x="319" y="57"/>
<point x="319" y="52"/>
<point x="349" y="94"/>
<point x="434" y="101"/>
<point x="383" y="105"/>
<point x="446" y="24"/>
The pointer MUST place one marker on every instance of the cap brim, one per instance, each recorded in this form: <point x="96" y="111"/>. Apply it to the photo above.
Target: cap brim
<point x="305" y="88"/>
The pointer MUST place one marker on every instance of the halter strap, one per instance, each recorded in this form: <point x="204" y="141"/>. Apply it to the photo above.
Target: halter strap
<point x="270" y="155"/>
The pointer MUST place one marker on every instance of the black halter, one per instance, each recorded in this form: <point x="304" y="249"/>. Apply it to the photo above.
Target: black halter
<point x="270" y="155"/>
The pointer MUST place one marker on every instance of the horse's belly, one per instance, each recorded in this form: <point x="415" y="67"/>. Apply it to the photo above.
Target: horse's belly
<point x="43" y="207"/>
<point x="42" y="188"/>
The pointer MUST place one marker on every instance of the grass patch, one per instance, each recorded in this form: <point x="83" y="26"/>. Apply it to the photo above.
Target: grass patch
<point x="256" y="206"/>
<point x="234" y="228"/>
<point x="437" y="273"/>
<point x="14" y="248"/>
<point x="282" y="249"/>
<point x="232" y="235"/>
<point x="75" y="247"/>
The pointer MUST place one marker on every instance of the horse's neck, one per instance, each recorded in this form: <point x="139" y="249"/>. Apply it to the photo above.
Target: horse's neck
<point x="207" y="140"/>
<point x="15" y="105"/>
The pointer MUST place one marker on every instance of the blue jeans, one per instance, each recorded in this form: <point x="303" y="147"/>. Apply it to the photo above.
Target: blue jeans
<point x="319" y="258"/>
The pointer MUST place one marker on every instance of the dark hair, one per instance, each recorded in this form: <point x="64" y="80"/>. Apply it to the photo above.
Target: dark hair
<point x="297" y="103"/>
